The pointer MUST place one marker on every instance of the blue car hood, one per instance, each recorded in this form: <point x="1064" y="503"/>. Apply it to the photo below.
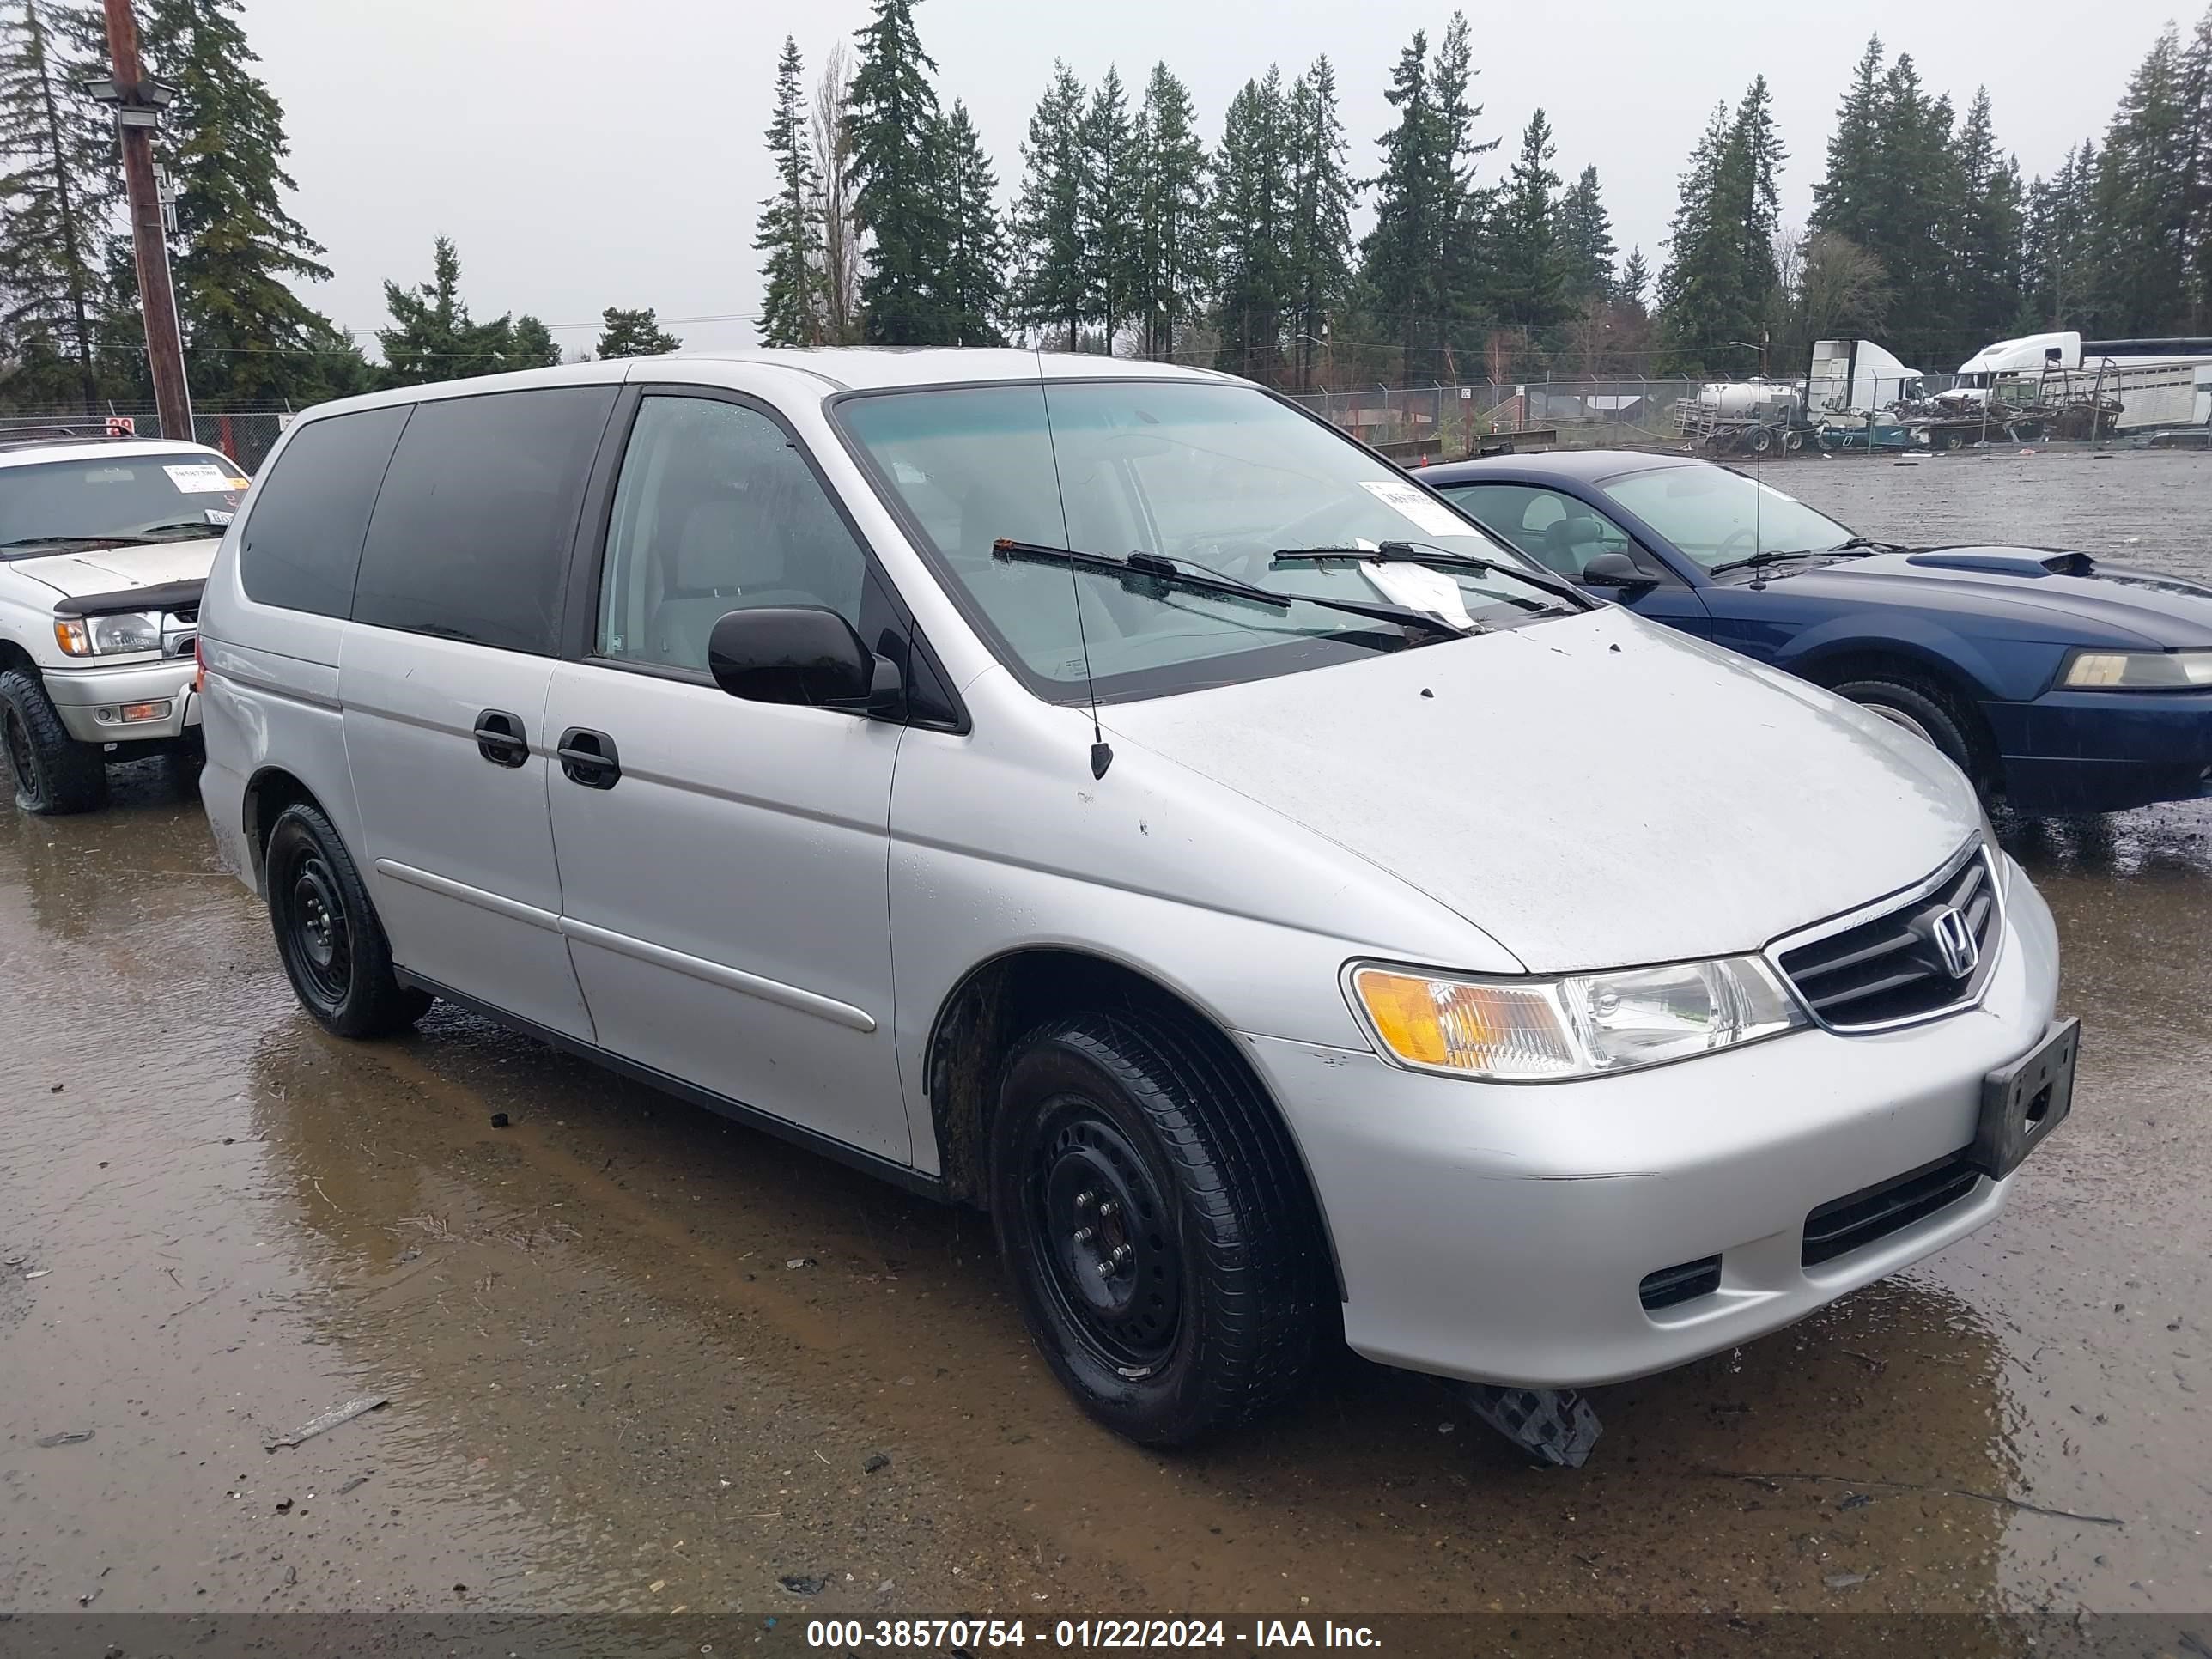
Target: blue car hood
<point x="2030" y="585"/>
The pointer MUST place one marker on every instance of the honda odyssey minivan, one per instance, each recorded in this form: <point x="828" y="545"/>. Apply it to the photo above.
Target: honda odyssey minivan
<point x="1100" y="793"/>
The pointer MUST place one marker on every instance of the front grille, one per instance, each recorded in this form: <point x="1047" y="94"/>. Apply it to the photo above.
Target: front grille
<point x="1860" y="1219"/>
<point x="1893" y="968"/>
<point x="1672" y="1286"/>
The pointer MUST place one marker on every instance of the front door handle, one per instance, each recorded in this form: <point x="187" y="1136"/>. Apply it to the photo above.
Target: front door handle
<point x="588" y="758"/>
<point x="501" y="739"/>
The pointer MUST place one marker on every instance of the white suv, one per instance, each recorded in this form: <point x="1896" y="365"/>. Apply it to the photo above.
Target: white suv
<point x="105" y="542"/>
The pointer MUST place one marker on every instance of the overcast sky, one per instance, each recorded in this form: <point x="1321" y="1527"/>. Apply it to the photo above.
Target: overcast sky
<point x="588" y="155"/>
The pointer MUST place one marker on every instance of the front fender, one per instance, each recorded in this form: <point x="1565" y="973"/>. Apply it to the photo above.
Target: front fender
<point x="2017" y="674"/>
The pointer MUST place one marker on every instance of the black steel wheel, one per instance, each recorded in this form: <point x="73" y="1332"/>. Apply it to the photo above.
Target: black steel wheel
<point x="54" y="774"/>
<point x="1164" y="1246"/>
<point x="327" y="933"/>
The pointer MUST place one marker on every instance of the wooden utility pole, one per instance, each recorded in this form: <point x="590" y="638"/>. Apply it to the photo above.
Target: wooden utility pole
<point x="136" y="118"/>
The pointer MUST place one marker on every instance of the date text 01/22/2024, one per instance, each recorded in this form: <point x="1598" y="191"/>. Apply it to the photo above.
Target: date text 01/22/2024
<point x="970" y="1634"/>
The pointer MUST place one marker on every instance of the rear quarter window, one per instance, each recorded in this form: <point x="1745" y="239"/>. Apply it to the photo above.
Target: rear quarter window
<point x="471" y="536"/>
<point x="308" y="513"/>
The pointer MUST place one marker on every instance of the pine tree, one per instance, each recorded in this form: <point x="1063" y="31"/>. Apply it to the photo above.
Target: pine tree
<point x="633" y="334"/>
<point x="893" y="115"/>
<point x="247" y="335"/>
<point x="1251" y="211"/>
<point x="1721" y="279"/>
<point x="972" y="289"/>
<point x="1109" y="217"/>
<point x="787" y="231"/>
<point x="1053" y="287"/>
<point x="433" y="338"/>
<point x="1174" y="238"/>
<point x="1417" y="215"/>
<point x="2197" y="194"/>
<point x="1635" y="277"/>
<point x="1848" y="199"/>
<point x="2141" y="206"/>
<point x="59" y="194"/>
<point x="1465" y="254"/>
<point x="1986" y="258"/>
<point x="1529" y="286"/>
<point x="1585" y="240"/>
<point x="1321" y="197"/>
<point x="1756" y="156"/>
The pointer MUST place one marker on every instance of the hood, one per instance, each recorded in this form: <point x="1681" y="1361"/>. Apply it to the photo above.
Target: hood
<point x="1591" y="792"/>
<point x="2157" y="609"/>
<point x="114" y="569"/>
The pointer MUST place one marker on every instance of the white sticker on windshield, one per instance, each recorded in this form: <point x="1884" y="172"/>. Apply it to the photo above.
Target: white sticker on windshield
<point x="1420" y="588"/>
<point x="1432" y="515"/>
<point x="200" y="478"/>
<point x="216" y="515"/>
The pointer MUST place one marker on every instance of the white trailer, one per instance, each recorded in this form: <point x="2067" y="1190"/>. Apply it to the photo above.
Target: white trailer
<point x="1857" y="378"/>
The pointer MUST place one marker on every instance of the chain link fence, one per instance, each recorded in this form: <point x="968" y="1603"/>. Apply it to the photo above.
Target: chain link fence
<point x="246" y="436"/>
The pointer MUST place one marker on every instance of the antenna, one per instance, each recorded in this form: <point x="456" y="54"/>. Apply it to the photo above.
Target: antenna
<point x="1102" y="753"/>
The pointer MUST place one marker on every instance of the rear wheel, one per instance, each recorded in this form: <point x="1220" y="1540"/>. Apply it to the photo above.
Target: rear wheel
<point x="54" y="773"/>
<point x="1931" y="713"/>
<point x="1151" y="1213"/>
<point x="333" y="945"/>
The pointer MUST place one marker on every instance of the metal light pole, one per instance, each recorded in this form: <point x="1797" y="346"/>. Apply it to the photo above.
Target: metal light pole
<point x="139" y="101"/>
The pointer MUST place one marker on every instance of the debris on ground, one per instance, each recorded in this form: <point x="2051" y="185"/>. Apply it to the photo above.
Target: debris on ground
<point x="500" y="1120"/>
<point x="800" y="1261"/>
<point x="875" y="1462"/>
<point x="1841" y="1580"/>
<point x="1557" y="1427"/>
<point x="330" y="1420"/>
<point x="66" y="1437"/>
<point x="802" y="1583"/>
<point x="358" y="1481"/>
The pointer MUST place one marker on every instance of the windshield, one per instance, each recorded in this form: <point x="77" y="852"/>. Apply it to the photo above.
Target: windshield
<point x="1717" y="517"/>
<point x="1221" y="477"/>
<point x="169" y="495"/>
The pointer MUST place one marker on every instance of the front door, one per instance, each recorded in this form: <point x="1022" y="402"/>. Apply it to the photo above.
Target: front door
<point x="1564" y="532"/>
<point x="443" y="674"/>
<point x="724" y="865"/>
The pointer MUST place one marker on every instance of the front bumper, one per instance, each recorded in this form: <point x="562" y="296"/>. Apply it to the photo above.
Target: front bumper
<point x="1500" y="1234"/>
<point x="2104" y="751"/>
<point x="91" y="700"/>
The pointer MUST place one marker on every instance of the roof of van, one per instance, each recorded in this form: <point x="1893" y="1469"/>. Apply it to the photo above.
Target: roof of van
<point x="835" y="369"/>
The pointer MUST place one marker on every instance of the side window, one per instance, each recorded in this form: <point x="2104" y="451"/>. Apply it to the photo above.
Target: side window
<point x="472" y="532"/>
<point x="715" y="511"/>
<point x="308" y="514"/>
<point x="1559" y="530"/>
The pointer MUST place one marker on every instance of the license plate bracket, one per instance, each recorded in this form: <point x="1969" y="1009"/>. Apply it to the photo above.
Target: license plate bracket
<point x="2022" y="1102"/>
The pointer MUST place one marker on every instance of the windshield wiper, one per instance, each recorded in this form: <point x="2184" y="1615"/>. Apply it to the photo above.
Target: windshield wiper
<point x="1867" y="544"/>
<point x="73" y="541"/>
<point x="1758" y="561"/>
<point x="1139" y="569"/>
<point x="1440" y="558"/>
<point x="165" y="533"/>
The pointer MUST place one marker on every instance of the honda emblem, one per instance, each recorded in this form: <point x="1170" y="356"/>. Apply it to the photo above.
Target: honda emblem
<point x="1955" y="943"/>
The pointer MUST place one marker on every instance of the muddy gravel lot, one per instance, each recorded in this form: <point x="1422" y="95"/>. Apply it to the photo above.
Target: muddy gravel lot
<point x="637" y="1359"/>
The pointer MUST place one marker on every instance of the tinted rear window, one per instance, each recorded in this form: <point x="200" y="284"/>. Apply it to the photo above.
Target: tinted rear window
<point x="308" y="512"/>
<point x="471" y="537"/>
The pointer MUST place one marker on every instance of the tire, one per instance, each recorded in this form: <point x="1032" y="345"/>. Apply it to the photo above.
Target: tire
<point x="1213" y="1315"/>
<point x="327" y="933"/>
<point x="1930" y="712"/>
<point x="54" y="774"/>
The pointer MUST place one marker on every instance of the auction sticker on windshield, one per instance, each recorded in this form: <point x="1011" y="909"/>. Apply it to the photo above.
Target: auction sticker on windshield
<point x="1425" y="511"/>
<point x="201" y="478"/>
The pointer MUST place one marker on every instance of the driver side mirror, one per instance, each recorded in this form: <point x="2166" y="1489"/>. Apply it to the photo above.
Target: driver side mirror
<point x="1614" y="570"/>
<point x="804" y="654"/>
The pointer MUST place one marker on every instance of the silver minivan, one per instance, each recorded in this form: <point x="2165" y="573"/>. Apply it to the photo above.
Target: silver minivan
<point x="1102" y="794"/>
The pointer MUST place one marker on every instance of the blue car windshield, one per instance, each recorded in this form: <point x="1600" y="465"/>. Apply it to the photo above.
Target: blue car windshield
<point x="1220" y="477"/>
<point x="1718" y="517"/>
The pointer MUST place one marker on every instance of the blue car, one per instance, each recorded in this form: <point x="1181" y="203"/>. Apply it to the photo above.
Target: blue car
<point x="2059" y="683"/>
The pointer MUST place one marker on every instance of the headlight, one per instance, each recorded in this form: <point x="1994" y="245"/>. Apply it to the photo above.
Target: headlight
<point x="1542" y="1030"/>
<point x="2136" y="670"/>
<point x="108" y="636"/>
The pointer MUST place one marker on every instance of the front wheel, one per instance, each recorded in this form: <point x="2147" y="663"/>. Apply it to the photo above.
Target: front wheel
<point x="1931" y="713"/>
<point x="333" y="945"/>
<point x="55" y="774"/>
<point x="1152" y="1214"/>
